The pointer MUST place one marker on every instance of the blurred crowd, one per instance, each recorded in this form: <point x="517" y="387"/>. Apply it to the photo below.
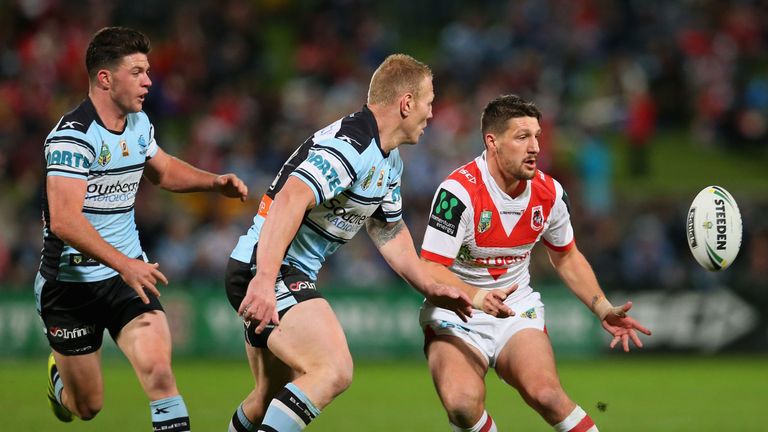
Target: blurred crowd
<point x="238" y="84"/>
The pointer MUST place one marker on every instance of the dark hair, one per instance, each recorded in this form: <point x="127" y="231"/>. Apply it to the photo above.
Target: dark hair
<point x="110" y="44"/>
<point x="503" y="108"/>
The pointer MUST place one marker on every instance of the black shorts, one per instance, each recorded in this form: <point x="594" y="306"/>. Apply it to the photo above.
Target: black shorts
<point x="75" y="314"/>
<point x="291" y="288"/>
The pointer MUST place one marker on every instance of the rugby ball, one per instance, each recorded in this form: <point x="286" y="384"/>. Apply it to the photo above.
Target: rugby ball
<point x="713" y="228"/>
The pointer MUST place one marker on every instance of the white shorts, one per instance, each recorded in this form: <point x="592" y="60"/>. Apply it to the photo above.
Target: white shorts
<point x="485" y="332"/>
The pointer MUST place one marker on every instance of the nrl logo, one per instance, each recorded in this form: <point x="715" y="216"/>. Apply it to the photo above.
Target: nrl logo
<point x="368" y="178"/>
<point x="104" y="156"/>
<point x="485" y="221"/>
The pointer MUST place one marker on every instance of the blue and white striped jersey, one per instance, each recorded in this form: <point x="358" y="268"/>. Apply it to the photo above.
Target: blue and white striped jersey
<point x="112" y="163"/>
<point x="352" y="178"/>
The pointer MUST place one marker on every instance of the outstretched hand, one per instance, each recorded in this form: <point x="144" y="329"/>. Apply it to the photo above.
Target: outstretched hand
<point x="231" y="186"/>
<point x="448" y="297"/>
<point x="623" y="327"/>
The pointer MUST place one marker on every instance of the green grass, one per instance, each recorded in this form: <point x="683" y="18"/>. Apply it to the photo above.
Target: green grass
<point x="642" y="393"/>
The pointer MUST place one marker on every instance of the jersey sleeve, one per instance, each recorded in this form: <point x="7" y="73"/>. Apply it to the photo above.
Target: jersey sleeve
<point x="68" y="153"/>
<point x="449" y="217"/>
<point x="329" y="169"/>
<point x="151" y="143"/>
<point x="559" y="233"/>
<point x="391" y="209"/>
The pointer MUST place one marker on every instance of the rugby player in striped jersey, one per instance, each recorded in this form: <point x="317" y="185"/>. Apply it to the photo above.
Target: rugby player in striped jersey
<point x="93" y="273"/>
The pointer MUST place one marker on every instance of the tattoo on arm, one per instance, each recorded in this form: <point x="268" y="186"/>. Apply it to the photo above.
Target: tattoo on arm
<point x="595" y="298"/>
<point x="382" y="232"/>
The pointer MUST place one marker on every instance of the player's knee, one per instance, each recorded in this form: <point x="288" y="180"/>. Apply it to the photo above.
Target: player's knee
<point x="463" y="407"/>
<point x="546" y="397"/>
<point x="339" y="376"/>
<point x="159" y="377"/>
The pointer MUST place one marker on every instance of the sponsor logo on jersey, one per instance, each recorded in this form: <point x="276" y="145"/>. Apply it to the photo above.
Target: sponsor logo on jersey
<point x="341" y="218"/>
<point x="330" y="174"/>
<point x="124" y="148"/>
<point x="380" y="181"/>
<point x="396" y="194"/>
<point x="104" y="156"/>
<point x="368" y="178"/>
<point x="447" y="212"/>
<point x="142" y="145"/>
<point x="71" y="333"/>
<point x="537" y="218"/>
<point x="485" y="221"/>
<point x="95" y="190"/>
<point x="468" y="175"/>
<point x="501" y="260"/>
<point x="64" y="157"/>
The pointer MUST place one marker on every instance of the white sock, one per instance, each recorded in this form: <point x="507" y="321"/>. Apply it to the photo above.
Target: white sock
<point x="485" y="424"/>
<point x="577" y="421"/>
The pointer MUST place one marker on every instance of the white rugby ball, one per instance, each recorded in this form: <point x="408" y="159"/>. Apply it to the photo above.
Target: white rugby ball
<point x="714" y="228"/>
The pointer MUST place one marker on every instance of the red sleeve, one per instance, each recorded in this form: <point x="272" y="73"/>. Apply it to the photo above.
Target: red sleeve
<point x="430" y="256"/>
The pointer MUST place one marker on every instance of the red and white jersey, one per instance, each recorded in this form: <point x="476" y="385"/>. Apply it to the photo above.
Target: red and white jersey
<point x="485" y="236"/>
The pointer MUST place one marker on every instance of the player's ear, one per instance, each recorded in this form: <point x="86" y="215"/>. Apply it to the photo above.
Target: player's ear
<point x="104" y="78"/>
<point x="406" y="104"/>
<point x="490" y="141"/>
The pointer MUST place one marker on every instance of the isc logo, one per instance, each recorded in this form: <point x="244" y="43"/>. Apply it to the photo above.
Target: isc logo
<point x="468" y="175"/>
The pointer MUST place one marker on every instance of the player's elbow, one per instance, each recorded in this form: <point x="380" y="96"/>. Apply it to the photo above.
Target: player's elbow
<point x="59" y="227"/>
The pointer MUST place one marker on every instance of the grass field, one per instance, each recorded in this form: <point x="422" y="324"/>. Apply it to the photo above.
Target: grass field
<point x="642" y="393"/>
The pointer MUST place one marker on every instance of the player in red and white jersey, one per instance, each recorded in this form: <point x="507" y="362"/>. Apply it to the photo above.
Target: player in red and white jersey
<point x="484" y="221"/>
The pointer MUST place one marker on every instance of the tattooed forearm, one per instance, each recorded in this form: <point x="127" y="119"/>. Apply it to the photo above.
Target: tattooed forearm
<point x="382" y="232"/>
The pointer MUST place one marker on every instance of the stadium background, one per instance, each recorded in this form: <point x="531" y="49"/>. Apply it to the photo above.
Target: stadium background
<point x="644" y="104"/>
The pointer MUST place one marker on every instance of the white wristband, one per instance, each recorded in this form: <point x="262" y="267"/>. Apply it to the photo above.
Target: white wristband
<point x="479" y="299"/>
<point x="601" y="307"/>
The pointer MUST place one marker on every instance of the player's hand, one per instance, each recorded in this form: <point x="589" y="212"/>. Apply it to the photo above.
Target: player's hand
<point x="623" y="327"/>
<point x="231" y="186"/>
<point x="448" y="297"/>
<point x="493" y="303"/>
<point x="259" y="304"/>
<point x="141" y="275"/>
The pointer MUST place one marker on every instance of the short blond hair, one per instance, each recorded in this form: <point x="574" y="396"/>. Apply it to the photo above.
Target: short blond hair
<point x="397" y="74"/>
